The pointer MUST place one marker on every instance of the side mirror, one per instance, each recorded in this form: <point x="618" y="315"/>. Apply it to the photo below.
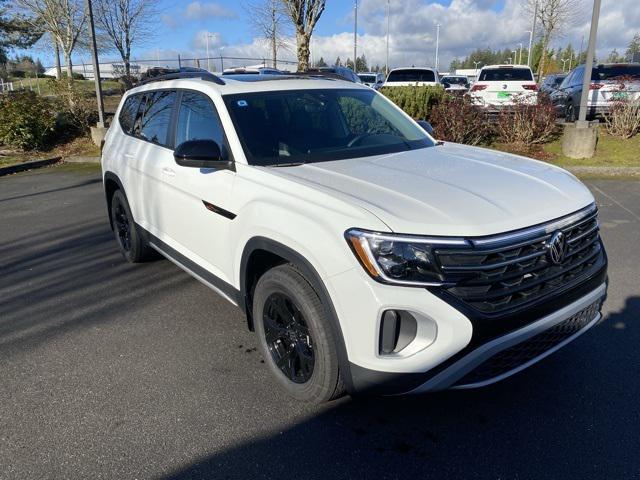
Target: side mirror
<point x="201" y="154"/>
<point x="426" y="126"/>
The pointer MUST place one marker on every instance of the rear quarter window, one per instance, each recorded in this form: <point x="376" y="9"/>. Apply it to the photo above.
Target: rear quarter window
<point x="128" y="113"/>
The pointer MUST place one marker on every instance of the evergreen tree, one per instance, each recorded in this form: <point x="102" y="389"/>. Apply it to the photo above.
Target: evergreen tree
<point x="338" y="62"/>
<point x="321" y="63"/>
<point x="633" y="50"/>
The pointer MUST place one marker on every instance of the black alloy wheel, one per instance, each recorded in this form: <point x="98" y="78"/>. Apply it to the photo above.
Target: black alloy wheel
<point x="288" y="338"/>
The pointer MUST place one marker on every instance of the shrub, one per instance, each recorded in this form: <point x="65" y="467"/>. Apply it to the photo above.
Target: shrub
<point x="623" y="120"/>
<point x="455" y="119"/>
<point x="78" y="108"/>
<point x="416" y="101"/>
<point x="27" y="121"/>
<point x="526" y="124"/>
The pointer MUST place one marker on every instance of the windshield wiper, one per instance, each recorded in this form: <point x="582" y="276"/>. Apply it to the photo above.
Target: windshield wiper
<point x="290" y="164"/>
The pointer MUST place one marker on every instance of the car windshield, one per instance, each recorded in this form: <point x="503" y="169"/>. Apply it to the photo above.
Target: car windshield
<point x="455" y="80"/>
<point x="306" y="126"/>
<point x="608" y="72"/>
<point x="411" y="75"/>
<point x="368" y="78"/>
<point x="505" y="74"/>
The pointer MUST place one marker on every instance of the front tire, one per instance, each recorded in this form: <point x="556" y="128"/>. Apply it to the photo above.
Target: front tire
<point x="132" y="246"/>
<point x="295" y="335"/>
<point x="570" y="115"/>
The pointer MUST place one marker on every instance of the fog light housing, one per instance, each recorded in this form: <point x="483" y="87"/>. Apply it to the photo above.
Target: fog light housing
<point x="398" y="329"/>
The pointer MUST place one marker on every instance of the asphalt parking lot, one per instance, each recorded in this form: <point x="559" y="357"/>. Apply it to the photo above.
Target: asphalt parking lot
<point x="110" y="370"/>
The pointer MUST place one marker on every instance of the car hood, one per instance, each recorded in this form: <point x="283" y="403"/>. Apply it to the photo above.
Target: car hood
<point x="449" y="189"/>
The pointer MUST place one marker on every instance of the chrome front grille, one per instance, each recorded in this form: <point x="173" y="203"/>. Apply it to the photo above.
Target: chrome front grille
<point x="509" y="271"/>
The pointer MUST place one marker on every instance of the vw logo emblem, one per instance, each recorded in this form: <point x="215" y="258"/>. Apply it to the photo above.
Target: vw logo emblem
<point x="504" y="87"/>
<point x="557" y="247"/>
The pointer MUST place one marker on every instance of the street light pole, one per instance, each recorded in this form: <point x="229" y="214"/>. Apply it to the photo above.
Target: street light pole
<point x="532" y="33"/>
<point x="437" y="43"/>
<point x="591" y="50"/>
<point x="221" y="61"/>
<point x="564" y="62"/>
<point x="96" y="65"/>
<point x="208" y="64"/>
<point x="355" y="36"/>
<point x="388" y="15"/>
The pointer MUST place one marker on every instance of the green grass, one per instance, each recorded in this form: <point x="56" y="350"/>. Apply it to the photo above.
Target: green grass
<point x="46" y="83"/>
<point x="610" y="152"/>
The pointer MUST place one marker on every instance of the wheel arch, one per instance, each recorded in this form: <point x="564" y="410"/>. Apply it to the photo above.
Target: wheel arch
<point x="111" y="183"/>
<point x="259" y="255"/>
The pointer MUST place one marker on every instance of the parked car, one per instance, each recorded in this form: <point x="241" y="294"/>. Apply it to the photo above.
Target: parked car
<point x="609" y="83"/>
<point x="498" y="85"/>
<point x="343" y="72"/>
<point x="372" y="79"/>
<point x="366" y="256"/>
<point x="402" y="77"/>
<point x="550" y="83"/>
<point x="455" y="83"/>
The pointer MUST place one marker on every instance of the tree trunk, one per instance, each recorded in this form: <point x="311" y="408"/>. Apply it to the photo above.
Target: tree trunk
<point x="57" y="59"/>
<point x="302" y="41"/>
<point x="543" y="57"/>
<point x="274" y="51"/>
<point x="67" y="59"/>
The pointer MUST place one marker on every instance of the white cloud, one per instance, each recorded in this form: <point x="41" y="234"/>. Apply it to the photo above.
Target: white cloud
<point x="199" y="11"/>
<point x="465" y="26"/>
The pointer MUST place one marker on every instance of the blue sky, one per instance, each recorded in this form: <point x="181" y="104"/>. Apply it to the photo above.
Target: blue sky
<point x="182" y="27"/>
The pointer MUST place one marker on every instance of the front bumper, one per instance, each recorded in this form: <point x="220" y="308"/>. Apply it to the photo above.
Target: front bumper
<point x="461" y="354"/>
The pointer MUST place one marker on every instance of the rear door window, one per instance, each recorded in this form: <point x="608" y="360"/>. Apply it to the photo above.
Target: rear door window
<point x="506" y="74"/>
<point x="157" y="116"/>
<point x="412" y="75"/>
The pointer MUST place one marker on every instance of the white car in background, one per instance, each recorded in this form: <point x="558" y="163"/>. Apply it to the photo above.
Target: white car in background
<point x="418" y="76"/>
<point x="499" y="85"/>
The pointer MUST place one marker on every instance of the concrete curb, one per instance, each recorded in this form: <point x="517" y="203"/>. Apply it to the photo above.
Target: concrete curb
<point x="605" y="171"/>
<point x="21" y="167"/>
<point x="81" y="159"/>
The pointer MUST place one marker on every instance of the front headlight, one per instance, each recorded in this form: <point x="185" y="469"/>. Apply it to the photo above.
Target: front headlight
<point x="399" y="259"/>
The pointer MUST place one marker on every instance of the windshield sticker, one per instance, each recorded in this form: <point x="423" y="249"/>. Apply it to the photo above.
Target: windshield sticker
<point x="242" y="103"/>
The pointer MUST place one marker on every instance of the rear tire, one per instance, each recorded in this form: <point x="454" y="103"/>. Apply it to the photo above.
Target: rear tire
<point x="295" y="335"/>
<point x="131" y="244"/>
<point x="570" y="114"/>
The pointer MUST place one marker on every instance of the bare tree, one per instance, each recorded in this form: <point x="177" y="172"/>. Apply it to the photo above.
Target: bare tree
<point x="125" y="23"/>
<point x="63" y="19"/>
<point x="554" y="16"/>
<point x="270" y="22"/>
<point x="304" y="14"/>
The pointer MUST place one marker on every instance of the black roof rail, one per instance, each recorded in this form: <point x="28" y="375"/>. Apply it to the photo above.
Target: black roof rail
<point x="183" y="73"/>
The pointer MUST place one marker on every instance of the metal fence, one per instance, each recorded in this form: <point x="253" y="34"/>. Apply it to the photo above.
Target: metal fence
<point x="116" y="69"/>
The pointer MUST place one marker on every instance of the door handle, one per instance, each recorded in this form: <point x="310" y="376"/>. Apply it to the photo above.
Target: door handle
<point x="168" y="172"/>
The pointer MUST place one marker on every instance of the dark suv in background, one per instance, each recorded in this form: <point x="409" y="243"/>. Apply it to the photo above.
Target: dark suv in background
<point x="609" y="83"/>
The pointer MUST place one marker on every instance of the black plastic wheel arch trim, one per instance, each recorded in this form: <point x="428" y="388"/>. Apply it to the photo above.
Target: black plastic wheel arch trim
<point x="310" y="273"/>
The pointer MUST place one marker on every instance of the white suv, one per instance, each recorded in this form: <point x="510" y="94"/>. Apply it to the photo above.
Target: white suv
<point x="367" y="256"/>
<point x="499" y="85"/>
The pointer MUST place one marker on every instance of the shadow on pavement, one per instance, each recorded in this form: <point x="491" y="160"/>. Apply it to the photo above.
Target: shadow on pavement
<point x="519" y="428"/>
